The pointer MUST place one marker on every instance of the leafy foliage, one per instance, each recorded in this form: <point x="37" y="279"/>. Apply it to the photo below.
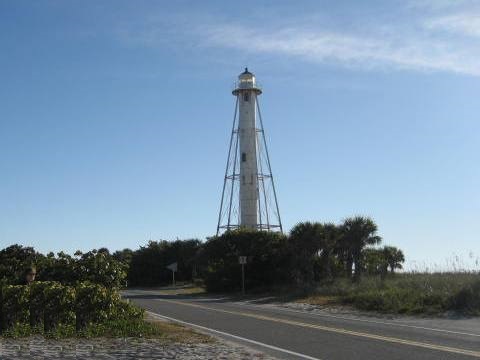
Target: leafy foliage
<point x="393" y="257"/>
<point x="59" y="302"/>
<point x="267" y="255"/>
<point x="311" y="252"/>
<point x="13" y="261"/>
<point x="79" y="291"/>
<point x="100" y="267"/>
<point x="54" y="309"/>
<point x="467" y="299"/>
<point x="357" y="233"/>
<point x="148" y="264"/>
<point x="94" y="304"/>
<point x="124" y="256"/>
<point x="312" y="247"/>
<point x="15" y="306"/>
<point x="96" y="266"/>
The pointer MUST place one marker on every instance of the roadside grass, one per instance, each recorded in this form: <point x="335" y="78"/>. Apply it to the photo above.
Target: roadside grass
<point x="406" y="293"/>
<point x="178" y="333"/>
<point x="147" y="328"/>
<point x="320" y="300"/>
<point x="185" y="289"/>
<point x="194" y="290"/>
<point x="119" y="328"/>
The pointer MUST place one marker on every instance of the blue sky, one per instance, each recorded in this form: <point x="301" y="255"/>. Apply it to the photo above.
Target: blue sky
<point x="114" y="118"/>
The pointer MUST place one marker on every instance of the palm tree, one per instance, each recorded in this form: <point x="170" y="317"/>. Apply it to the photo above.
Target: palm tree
<point x="330" y="234"/>
<point x="357" y="233"/>
<point x="394" y="257"/>
<point x="304" y="244"/>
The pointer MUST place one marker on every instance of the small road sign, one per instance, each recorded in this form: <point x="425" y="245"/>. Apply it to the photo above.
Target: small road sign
<point x="242" y="260"/>
<point x="173" y="267"/>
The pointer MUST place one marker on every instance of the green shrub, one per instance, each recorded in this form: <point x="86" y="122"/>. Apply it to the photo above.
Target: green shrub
<point x="467" y="299"/>
<point x="57" y="310"/>
<point x="148" y="264"/>
<point x="37" y="305"/>
<point x="13" y="261"/>
<point x="59" y="306"/>
<point x="15" y="307"/>
<point x="94" y="304"/>
<point x="126" y="311"/>
<point x="267" y="265"/>
<point x="125" y="320"/>
<point x="98" y="266"/>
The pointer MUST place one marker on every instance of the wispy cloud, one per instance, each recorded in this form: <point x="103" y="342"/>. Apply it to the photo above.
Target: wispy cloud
<point x="383" y="51"/>
<point x="437" y="4"/>
<point x="463" y="24"/>
<point x="430" y="42"/>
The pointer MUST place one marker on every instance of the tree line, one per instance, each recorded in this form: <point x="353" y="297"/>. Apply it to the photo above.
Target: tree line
<point x="311" y="252"/>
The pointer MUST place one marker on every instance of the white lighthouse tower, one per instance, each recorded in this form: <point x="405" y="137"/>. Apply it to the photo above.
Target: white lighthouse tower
<point x="248" y="198"/>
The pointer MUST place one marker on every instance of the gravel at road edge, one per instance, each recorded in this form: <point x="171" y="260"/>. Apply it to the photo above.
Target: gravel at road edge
<point x="37" y="347"/>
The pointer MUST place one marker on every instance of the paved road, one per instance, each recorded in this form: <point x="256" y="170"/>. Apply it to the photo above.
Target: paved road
<point x="295" y="334"/>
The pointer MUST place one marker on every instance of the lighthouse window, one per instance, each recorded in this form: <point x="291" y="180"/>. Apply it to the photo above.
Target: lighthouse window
<point x="244" y="157"/>
<point x="246" y="96"/>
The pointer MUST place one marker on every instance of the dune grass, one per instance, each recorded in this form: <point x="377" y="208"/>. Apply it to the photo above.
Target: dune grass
<point x="407" y="293"/>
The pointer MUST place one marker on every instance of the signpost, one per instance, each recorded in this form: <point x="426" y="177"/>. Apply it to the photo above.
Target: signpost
<point x="242" y="260"/>
<point x="174" y="268"/>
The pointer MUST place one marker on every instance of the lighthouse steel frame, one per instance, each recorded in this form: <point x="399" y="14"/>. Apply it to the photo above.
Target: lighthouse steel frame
<point x="229" y="213"/>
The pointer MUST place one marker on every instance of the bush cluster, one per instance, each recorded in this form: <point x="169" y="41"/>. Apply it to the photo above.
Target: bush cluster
<point x="54" y="309"/>
<point x="96" y="266"/>
<point x="268" y="260"/>
<point x="147" y="265"/>
<point x="311" y="252"/>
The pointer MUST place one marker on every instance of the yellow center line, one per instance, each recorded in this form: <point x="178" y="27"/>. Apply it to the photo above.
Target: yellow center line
<point x="335" y="330"/>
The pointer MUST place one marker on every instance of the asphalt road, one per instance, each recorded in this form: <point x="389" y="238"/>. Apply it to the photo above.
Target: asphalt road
<point x="296" y="334"/>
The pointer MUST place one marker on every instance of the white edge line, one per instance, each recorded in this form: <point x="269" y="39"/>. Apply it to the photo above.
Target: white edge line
<point x="234" y="336"/>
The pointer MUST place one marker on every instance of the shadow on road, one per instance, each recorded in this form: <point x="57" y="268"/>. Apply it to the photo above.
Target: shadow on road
<point x="199" y="297"/>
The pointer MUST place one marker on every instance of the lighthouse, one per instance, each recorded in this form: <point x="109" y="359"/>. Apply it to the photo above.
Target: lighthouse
<point x="246" y="91"/>
<point x="249" y="198"/>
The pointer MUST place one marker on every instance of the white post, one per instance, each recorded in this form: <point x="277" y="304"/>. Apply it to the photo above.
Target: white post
<point x="243" y="279"/>
<point x="243" y="260"/>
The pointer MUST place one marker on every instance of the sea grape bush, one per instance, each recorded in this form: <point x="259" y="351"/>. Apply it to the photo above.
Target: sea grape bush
<point x="15" y="306"/>
<point x="37" y="303"/>
<point x="95" y="304"/>
<point x="47" y="307"/>
<point x="59" y="308"/>
<point x="98" y="266"/>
